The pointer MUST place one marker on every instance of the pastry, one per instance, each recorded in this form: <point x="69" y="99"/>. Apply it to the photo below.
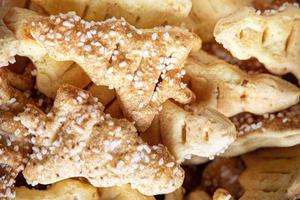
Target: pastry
<point x="276" y="174"/>
<point x="203" y="132"/>
<point x="229" y="90"/>
<point x="76" y="139"/>
<point x="272" y="37"/>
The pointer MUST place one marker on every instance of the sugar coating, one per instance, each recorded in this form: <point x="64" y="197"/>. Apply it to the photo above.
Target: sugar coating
<point x="79" y="140"/>
<point x="142" y="65"/>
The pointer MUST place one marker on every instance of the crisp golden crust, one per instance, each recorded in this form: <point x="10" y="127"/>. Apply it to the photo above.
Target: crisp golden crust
<point x="201" y="132"/>
<point x="76" y="139"/>
<point x="229" y="90"/>
<point x="275" y="170"/>
<point x="279" y="129"/>
<point x="116" y="54"/>
<point x="272" y="37"/>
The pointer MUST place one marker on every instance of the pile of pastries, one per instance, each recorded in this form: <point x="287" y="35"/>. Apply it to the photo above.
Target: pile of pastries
<point x="145" y="100"/>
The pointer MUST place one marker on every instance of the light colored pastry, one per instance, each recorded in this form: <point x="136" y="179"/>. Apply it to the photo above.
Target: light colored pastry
<point x="51" y="74"/>
<point x="63" y="190"/>
<point x="105" y="50"/>
<point x="8" y="45"/>
<point x="279" y="129"/>
<point x="76" y="139"/>
<point x="230" y="90"/>
<point x="140" y="13"/>
<point x="271" y="174"/>
<point x="273" y="37"/>
<point x="205" y="14"/>
<point x="201" y="132"/>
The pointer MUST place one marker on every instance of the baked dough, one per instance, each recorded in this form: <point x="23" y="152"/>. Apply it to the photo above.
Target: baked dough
<point x="230" y="90"/>
<point x="76" y="139"/>
<point x="271" y="174"/>
<point x="202" y="132"/>
<point x="273" y="37"/>
<point x="122" y="57"/>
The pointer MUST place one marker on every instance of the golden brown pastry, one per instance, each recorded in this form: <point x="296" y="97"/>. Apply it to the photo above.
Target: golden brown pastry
<point x="201" y="132"/>
<point x="273" y="37"/>
<point x="107" y="55"/>
<point x="76" y="139"/>
<point x="229" y="90"/>
<point x="63" y="190"/>
<point x="271" y="174"/>
<point x="15" y="146"/>
<point x="279" y="129"/>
